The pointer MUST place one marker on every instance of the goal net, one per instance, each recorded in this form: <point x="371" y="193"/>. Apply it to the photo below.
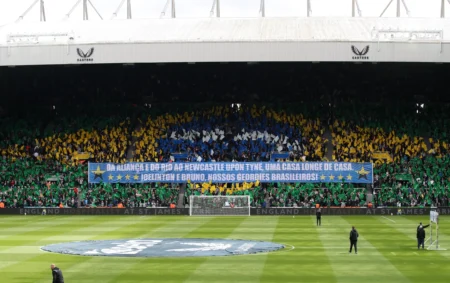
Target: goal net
<point x="219" y="205"/>
<point x="433" y="240"/>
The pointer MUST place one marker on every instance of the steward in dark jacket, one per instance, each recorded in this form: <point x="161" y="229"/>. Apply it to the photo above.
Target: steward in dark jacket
<point x="57" y="274"/>
<point x="354" y="240"/>
<point x="421" y="235"/>
<point x="319" y="217"/>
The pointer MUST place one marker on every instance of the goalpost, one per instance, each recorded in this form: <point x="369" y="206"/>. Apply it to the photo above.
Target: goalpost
<point x="219" y="205"/>
<point x="433" y="240"/>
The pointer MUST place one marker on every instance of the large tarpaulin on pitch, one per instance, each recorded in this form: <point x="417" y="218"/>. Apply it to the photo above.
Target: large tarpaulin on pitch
<point x="232" y="172"/>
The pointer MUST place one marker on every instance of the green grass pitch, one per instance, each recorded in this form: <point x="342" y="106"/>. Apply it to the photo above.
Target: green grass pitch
<point x="387" y="249"/>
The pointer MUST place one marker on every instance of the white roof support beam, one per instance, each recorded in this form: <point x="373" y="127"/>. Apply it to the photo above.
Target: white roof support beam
<point x="85" y="11"/>
<point x="172" y="9"/>
<point x="129" y="15"/>
<point x="114" y="15"/>
<point x="398" y="9"/>
<point x="308" y="8"/>
<point x="443" y="8"/>
<point x="387" y="7"/>
<point x="355" y="7"/>
<point x="73" y="8"/>
<point x="406" y="8"/>
<point x="262" y="8"/>
<point x="95" y="9"/>
<point x="41" y="10"/>
<point x="215" y="8"/>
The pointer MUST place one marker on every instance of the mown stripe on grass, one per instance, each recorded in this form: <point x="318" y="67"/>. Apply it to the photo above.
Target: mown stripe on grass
<point x="114" y="267"/>
<point x="407" y="226"/>
<point x="87" y="269"/>
<point x="335" y="231"/>
<point x="37" y="261"/>
<point x="244" y="268"/>
<point x="444" y="228"/>
<point x="62" y="228"/>
<point x="305" y="262"/>
<point x="176" y="227"/>
<point x="181" y="227"/>
<point x="216" y="228"/>
<point x="31" y="224"/>
<point x="153" y="269"/>
<point x="398" y="243"/>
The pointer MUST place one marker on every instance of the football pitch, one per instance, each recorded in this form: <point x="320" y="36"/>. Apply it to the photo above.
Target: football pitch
<point x="387" y="250"/>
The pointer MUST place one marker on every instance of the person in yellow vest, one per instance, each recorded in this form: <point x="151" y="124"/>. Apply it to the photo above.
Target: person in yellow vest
<point x="120" y="205"/>
<point x="2" y="204"/>
<point x="61" y="205"/>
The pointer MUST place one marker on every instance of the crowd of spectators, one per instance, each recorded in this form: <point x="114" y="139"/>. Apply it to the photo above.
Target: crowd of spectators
<point x="286" y="195"/>
<point x="353" y="143"/>
<point x="224" y="133"/>
<point x="30" y="182"/>
<point x="134" y="115"/>
<point x="417" y="182"/>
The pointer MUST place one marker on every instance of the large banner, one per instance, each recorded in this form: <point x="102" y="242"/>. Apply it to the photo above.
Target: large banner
<point x="232" y="172"/>
<point x="280" y="211"/>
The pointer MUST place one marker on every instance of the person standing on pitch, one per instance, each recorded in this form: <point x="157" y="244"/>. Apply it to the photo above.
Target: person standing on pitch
<point x="353" y="240"/>
<point x="422" y="226"/>
<point x="421" y="235"/>
<point x="319" y="217"/>
<point x="57" y="274"/>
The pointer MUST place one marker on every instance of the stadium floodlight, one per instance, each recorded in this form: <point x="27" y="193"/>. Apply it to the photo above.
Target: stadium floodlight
<point x="219" y="205"/>
<point x="433" y="240"/>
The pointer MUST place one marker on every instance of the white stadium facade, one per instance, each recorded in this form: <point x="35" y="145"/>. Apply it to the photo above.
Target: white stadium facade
<point x="219" y="39"/>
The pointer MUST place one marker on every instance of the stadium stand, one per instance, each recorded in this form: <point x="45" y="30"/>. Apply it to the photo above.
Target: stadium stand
<point x="230" y="134"/>
<point x="418" y="182"/>
<point x="354" y="143"/>
<point x="46" y="138"/>
<point x="288" y="195"/>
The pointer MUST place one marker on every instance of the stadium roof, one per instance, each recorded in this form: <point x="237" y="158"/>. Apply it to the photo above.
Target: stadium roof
<point x="219" y="30"/>
<point x="226" y="40"/>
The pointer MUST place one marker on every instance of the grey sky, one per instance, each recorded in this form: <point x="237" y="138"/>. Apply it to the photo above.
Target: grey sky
<point x="10" y="10"/>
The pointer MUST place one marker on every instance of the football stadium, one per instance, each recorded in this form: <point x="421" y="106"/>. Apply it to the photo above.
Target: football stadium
<point x="224" y="141"/>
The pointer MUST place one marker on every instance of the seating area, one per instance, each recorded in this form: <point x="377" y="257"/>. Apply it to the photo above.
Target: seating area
<point x="31" y="182"/>
<point x="287" y="195"/>
<point x="352" y="143"/>
<point x="428" y="185"/>
<point x="246" y="133"/>
<point x="294" y="114"/>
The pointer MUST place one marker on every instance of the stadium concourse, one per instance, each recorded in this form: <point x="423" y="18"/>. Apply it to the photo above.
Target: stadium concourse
<point x="55" y="119"/>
